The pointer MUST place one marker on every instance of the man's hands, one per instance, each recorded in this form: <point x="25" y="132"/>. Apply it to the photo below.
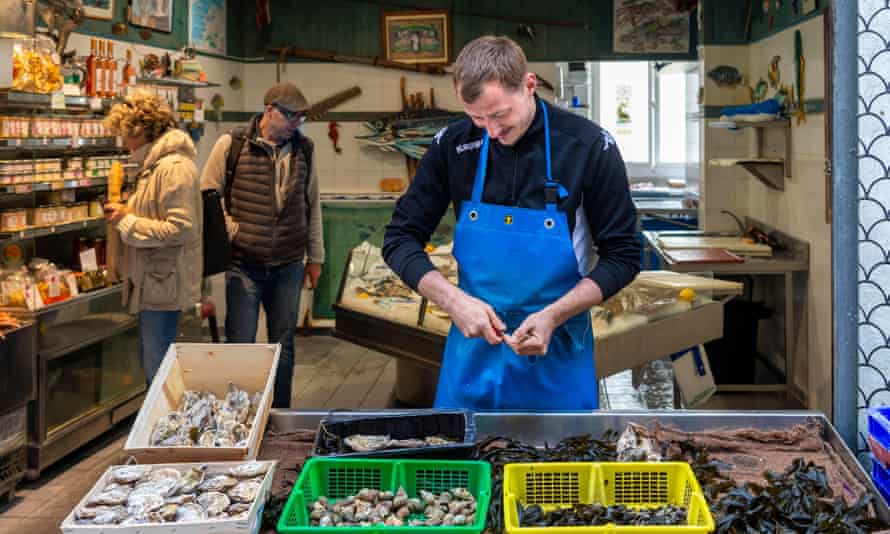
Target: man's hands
<point x="475" y="318"/>
<point x="532" y="338"/>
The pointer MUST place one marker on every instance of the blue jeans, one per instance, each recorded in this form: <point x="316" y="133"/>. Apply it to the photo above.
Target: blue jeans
<point x="157" y="330"/>
<point x="278" y="289"/>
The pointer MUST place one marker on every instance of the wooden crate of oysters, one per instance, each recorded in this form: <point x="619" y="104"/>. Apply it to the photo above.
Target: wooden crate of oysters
<point x="422" y="433"/>
<point x="193" y="412"/>
<point x="185" y="498"/>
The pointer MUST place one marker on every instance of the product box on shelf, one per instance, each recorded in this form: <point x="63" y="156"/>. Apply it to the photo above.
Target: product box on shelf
<point x="196" y="367"/>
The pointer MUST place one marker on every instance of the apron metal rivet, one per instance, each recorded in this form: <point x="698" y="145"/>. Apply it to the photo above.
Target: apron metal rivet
<point x="548" y="223"/>
<point x="474" y="215"/>
<point x="508" y="219"/>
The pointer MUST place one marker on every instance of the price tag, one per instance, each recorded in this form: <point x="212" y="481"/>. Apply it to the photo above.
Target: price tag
<point x="199" y="115"/>
<point x="71" y="281"/>
<point x="57" y="100"/>
<point x="95" y="104"/>
<point x="88" y="260"/>
<point x="53" y="288"/>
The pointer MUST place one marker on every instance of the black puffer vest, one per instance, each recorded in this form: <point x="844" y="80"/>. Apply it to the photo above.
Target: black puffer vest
<point x="265" y="236"/>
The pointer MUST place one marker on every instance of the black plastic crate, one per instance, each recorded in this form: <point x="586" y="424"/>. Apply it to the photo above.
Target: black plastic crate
<point x="454" y="425"/>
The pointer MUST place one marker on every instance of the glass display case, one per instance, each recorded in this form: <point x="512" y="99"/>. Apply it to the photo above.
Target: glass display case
<point x="658" y="314"/>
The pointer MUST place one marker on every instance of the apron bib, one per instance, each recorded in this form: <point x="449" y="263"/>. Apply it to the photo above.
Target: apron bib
<point x="518" y="260"/>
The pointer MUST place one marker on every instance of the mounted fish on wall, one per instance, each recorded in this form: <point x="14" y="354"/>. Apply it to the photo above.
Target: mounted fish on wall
<point x="726" y="76"/>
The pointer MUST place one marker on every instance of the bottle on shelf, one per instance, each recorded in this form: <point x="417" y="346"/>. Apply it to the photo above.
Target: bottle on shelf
<point x="128" y="73"/>
<point x="100" y="71"/>
<point x="91" y="69"/>
<point x="110" y="72"/>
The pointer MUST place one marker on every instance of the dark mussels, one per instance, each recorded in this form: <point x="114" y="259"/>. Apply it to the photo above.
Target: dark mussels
<point x="583" y="515"/>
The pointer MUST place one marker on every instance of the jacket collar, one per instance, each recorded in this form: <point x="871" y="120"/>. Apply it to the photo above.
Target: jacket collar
<point x="534" y="133"/>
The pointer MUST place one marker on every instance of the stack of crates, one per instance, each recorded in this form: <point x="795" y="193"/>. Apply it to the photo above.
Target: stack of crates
<point x="879" y="443"/>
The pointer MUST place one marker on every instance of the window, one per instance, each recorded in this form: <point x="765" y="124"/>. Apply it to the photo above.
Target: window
<point x="644" y="105"/>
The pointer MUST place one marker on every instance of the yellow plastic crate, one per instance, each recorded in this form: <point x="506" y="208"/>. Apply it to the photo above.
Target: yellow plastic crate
<point x="636" y="485"/>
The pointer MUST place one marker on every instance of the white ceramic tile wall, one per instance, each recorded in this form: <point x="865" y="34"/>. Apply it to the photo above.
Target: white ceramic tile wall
<point x="800" y="209"/>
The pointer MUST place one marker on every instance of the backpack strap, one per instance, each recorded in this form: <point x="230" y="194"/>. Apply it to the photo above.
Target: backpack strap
<point x="239" y="137"/>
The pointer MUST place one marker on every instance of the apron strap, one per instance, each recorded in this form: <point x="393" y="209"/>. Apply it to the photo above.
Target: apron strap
<point x="553" y="190"/>
<point x="479" y="180"/>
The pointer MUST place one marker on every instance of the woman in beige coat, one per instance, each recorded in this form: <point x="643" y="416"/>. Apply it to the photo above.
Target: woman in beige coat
<point x="160" y="225"/>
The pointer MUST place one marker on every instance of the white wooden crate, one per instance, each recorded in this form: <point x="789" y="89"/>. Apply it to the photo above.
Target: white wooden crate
<point x="249" y="525"/>
<point x="205" y="367"/>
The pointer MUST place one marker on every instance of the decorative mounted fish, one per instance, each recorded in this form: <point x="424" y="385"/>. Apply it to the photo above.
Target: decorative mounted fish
<point x="726" y="76"/>
<point x="774" y="75"/>
<point x="799" y="72"/>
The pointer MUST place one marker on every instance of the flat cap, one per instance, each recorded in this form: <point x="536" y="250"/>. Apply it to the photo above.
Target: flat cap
<point x="287" y="96"/>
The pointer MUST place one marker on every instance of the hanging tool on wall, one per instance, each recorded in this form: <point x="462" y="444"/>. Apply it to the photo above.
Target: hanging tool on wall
<point x="800" y="69"/>
<point x="335" y="57"/>
<point x="326" y="104"/>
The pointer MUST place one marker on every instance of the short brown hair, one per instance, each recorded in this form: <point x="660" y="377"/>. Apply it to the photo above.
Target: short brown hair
<point x="489" y="59"/>
<point x="141" y="112"/>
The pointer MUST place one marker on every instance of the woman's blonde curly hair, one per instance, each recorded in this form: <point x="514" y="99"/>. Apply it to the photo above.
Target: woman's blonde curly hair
<point x="141" y="112"/>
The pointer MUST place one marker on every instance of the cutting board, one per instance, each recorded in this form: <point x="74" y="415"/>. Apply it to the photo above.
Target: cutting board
<point x="672" y="280"/>
<point x="732" y="244"/>
<point x="702" y="255"/>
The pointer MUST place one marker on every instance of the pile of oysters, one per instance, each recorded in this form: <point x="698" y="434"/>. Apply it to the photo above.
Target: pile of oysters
<point x="143" y="494"/>
<point x="370" y="507"/>
<point x="202" y="420"/>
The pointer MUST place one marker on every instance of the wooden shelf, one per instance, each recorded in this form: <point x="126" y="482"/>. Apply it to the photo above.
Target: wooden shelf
<point x="770" y="171"/>
<point x="174" y="82"/>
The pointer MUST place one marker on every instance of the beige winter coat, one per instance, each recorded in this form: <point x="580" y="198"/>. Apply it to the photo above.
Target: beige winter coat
<point x="161" y="234"/>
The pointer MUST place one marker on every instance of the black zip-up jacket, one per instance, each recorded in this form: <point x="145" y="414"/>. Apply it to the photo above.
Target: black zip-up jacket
<point x="584" y="159"/>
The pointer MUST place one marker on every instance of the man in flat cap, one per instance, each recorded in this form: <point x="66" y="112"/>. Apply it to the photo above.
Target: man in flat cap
<point x="269" y="186"/>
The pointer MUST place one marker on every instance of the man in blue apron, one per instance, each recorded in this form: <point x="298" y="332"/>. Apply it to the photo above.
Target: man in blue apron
<point x="546" y="228"/>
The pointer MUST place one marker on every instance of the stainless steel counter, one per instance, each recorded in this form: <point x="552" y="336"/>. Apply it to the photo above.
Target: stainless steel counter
<point x="536" y="428"/>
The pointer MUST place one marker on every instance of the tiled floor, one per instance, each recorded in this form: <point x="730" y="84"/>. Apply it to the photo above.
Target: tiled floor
<point x="329" y="374"/>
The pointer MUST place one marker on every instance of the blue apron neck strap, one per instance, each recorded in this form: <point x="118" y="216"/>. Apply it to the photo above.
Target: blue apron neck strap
<point x="479" y="180"/>
<point x="553" y="190"/>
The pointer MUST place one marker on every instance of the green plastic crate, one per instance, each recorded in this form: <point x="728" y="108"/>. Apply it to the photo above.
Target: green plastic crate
<point x="336" y="478"/>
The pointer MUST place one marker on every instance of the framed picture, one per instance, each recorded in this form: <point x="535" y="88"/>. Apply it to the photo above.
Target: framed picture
<point x="417" y="36"/>
<point x="154" y="14"/>
<point x="98" y="9"/>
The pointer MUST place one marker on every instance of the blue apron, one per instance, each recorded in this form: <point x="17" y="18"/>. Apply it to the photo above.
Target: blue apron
<point x="518" y="260"/>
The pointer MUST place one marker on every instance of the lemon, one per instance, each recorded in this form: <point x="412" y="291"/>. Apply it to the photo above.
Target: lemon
<point x="687" y="294"/>
<point x="429" y="248"/>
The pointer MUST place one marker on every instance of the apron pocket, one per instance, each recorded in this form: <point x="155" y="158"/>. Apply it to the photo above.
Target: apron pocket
<point x="160" y="287"/>
<point x="573" y="333"/>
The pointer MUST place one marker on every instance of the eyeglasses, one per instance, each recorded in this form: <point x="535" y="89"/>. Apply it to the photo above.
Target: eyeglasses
<point x="288" y="114"/>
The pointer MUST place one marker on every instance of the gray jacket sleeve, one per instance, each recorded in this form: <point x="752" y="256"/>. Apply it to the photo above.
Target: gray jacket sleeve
<point x="214" y="176"/>
<point x="316" y="232"/>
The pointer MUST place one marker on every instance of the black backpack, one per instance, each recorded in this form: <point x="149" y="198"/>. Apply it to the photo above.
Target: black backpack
<point x="217" y="247"/>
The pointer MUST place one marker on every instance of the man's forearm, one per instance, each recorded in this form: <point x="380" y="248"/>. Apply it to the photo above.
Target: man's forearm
<point x="439" y="290"/>
<point x="580" y="298"/>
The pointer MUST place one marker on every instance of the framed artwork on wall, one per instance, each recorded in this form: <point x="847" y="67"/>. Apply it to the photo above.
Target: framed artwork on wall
<point x="154" y="14"/>
<point x="416" y="36"/>
<point x="98" y="9"/>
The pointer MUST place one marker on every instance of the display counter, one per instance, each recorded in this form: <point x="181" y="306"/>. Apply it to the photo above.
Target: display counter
<point x="657" y="315"/>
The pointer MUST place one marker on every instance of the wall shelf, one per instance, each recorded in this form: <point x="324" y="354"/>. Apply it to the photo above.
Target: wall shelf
<point x="771" y="171"/>
<point x="173" y="82"/>
<point x="31" y="233"/>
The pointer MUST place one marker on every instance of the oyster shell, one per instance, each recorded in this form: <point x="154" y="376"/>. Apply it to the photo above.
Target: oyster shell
<point x="245" y="491"/>
<point x="113" y="495"/>
<point x="130" y="473"/>
<point x="190" y="512"/>
<point x="190" y="481"/>
<point x="166" y="427"/>
<point x="216" y="438"/>
<point x="110" y="516"/>
<point x="214" y="503"/>
<point x="249" y="469"/>
<point x="165" y="472"/>
<point x="144" y="503"/>
<point x="218" y="483"/>
<point x="165" y="487"/>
